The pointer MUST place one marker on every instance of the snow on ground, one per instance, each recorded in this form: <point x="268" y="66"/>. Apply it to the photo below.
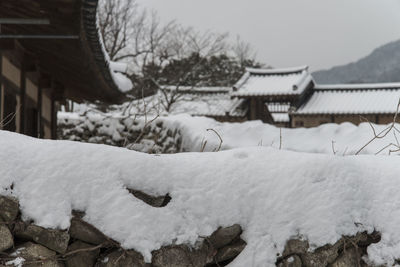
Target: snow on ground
<point x="273" y="194"/>
<point x="344" y="139"/>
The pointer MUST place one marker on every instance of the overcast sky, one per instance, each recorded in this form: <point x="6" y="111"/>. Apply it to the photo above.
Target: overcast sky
<point x="318" y="33"/>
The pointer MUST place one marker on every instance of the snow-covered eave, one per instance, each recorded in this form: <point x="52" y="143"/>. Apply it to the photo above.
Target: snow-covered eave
<point x="360" y="86"/>
<point x="284" y="117"/>
<point x="278" y="70"/>
<point x="107" y="77"/>
<point x="196" y="89"/>
<point x="241" y="81"/>
<point x="219" y="115"/>
<point x="360" y="112"/>
<point x="260" y="94"/>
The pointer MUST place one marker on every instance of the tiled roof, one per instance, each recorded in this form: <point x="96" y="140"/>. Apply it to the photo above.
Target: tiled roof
<point x="352" y="101"/>
<point x="265" y="82"/>
<point x="280" y="117"/>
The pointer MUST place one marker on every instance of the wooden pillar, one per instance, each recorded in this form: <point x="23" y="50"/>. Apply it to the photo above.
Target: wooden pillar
<point x="39" y="109"/>
<point x="53" y="117"/>
<point x="44" y="85"/>
<point x="1" y="91"/>
<point x="57" y="96"/>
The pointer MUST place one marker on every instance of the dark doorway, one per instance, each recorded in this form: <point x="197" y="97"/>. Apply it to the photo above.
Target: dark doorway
<point x="31" y="122"/>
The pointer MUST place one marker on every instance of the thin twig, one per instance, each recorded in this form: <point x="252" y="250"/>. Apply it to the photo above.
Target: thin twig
<point x="333" y="147"/>
<point x="383" y="133"/>
<point x="220" y="139"/>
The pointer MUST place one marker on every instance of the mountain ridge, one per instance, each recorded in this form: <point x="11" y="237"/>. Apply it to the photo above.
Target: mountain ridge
<point x="382" y="65"/>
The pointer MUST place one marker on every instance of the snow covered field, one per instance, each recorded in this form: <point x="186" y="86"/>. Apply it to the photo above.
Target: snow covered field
<point x="273" y="194"/>
<point x="339" y="139"/>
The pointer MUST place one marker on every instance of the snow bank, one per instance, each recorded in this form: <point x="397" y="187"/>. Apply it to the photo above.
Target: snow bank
<point x="273" y="194"/>
<point x="344" y="139"/>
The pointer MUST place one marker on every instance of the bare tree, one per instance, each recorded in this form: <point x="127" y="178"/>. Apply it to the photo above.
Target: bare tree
<point x="181" y="44"/>
<point x="118" y="21"/>
<point x="243" y="51"/>
<point x="137" y="37"/>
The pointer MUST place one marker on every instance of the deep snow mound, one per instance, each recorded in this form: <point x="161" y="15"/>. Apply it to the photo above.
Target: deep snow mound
<point x="274" y="195"/>
<point x="184" y="133"/>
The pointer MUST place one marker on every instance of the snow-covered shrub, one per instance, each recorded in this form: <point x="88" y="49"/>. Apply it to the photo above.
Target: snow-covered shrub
<point x="123" y="131"/>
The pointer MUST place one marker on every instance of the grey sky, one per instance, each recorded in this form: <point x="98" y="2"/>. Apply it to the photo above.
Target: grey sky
<point x="318" y="33"/>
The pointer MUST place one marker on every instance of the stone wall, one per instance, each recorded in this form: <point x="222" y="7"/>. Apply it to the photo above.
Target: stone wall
<point x="82" y="245"/>
<point x="136" y="134"/>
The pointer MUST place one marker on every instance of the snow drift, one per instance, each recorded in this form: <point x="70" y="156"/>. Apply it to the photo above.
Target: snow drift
<point x="274" y="195"/>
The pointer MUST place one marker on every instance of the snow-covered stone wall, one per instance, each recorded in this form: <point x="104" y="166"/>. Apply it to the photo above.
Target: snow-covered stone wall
<point x="342" y="208"/>
<point x="82" y="245"/>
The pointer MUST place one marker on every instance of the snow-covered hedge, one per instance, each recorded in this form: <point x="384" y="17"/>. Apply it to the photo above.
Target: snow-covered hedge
<point x="123" y="131"/>
<point x="274" y="195"/>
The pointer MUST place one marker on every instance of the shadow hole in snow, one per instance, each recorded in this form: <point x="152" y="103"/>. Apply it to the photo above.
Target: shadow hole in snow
<point x="157" y="202"/>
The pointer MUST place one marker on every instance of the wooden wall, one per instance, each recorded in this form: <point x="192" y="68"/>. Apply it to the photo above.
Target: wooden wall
<point x="316" y="120"/>
<point x="32" y="107"/>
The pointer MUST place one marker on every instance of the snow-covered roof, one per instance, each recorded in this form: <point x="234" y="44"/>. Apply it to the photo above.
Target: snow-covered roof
<point x="195" y="104"/>
<point x="197" y="89"/>
<point x="369" y="101"/>
<point x="211" y="105"/>
<point x="265" y="82"/>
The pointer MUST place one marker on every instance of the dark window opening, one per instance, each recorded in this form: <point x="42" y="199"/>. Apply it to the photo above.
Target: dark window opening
<point x="8" y="120"/>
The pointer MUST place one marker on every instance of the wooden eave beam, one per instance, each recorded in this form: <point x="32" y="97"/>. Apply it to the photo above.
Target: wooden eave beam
<point x="38" y="36"/>
<point x="22" y="21"/>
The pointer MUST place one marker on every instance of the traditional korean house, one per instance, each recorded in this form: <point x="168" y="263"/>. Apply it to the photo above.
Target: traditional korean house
<point x="353" y="103"/>
<point x="270" y="93"/>
<point x="50" y="51"/>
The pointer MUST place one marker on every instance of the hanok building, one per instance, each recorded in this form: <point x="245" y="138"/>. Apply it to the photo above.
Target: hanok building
<point x="49" y="51"/>
<point x="355" y="103"/>
<point x="270" y="93"/>
<point x="290" y="98"/>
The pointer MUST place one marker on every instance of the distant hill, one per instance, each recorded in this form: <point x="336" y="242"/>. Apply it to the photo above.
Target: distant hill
<point x="382" y="65"/>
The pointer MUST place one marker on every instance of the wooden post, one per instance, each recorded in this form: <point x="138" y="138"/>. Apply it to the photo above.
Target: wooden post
<point x="22" y="99"/>
<point x="53" y="116"/>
